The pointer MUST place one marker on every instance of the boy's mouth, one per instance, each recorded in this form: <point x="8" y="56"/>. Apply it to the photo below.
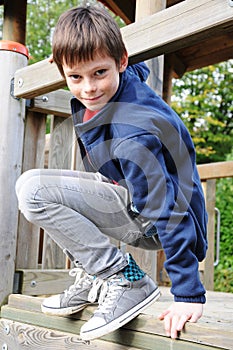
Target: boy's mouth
<point x="92" y="99"/>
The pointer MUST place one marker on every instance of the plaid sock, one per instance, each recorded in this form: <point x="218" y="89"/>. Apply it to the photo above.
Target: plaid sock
<point x="132" y="271"/>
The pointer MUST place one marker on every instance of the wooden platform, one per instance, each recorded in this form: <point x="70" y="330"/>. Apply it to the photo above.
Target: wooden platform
<point x="23" y="326"/>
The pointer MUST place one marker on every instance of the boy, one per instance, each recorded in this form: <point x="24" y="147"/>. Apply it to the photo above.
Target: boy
<point x="141" y="186"/>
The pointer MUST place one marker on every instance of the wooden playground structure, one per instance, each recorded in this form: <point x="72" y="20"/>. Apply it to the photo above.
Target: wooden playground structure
<point x="175" y="36"/>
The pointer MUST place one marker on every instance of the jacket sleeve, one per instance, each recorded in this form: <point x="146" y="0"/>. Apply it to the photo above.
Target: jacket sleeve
<point x="159" y="198"/>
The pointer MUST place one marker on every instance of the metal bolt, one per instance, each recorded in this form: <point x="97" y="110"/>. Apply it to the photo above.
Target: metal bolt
<point x="20" y="82"/>
<point x="7" y="329"/>
<point x="4" y="346"/>
<point x="45" y="99"/>
<point x="230" y="2"/>
<point x="33" y="284"/>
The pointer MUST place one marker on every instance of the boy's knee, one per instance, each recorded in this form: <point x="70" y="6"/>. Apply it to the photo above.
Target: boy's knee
<point x="24" y="178"/>
<point x="26" y="187"/>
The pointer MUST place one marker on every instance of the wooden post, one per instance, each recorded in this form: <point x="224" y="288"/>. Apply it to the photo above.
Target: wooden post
<point x="60" y="155"/>
<point x="13" y="56"/>
<point x="144" y="8"/>
<point x="14" y="20"/>
<point x="33" y="157"/>
<point x="206" y="267"/>
<point x="12" y="111"/>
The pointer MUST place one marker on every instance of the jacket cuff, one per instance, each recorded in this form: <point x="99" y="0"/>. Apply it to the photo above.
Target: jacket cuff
<point x="200" y="299"/>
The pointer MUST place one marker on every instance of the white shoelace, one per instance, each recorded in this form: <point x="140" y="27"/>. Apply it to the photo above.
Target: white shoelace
<point x="108" y="294"/>
<point x="83" y="279"/>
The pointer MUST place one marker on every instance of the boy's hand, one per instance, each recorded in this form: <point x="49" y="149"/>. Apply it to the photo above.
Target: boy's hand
<point x="178" y="314"/>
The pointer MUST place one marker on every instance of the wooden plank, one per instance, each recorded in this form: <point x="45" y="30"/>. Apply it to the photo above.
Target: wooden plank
<point x="179" y="26"/>
<point x="12" y="114"/>
<point x="37" y="79"/>
<point x="216" y="49"/>
<point x="42" y="282"/>
<point x="16" y="335"/>
<point x="214" y="330"/>
<point x="124" y="336"/>
<point x="207" y="266"/>
<point x="215" y="170"/>
<point x="60" y="155"/>
<point x="56" y="102"/>
<point x="124" y="9"/>
<point x="29" y="234"/>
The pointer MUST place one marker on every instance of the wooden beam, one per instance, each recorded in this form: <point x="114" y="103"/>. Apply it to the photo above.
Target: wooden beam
<point x="215" y="170"/>
<point x="177" y="27"/>
<point x="214" y="50"/>
<point x="174" y="28"/>
<point x="122" y="8"/>
<point x="37" y="79"/>
<point x="56" y="102"/>
<point x="42" y="282"/>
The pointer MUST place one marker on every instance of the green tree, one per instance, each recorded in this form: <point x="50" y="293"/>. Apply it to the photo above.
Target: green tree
<point x="42" y="16"/>
<point x="223" y="277"/>
<point x="203" y="99"/>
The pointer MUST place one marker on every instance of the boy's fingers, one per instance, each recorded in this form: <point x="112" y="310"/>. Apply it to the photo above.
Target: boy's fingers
<point x="174" y="324"/>
<point x="195" y="317"/>
<point x="167" y="325"/>
<point x="183" y="319"/>
<point x="163" y="314"/>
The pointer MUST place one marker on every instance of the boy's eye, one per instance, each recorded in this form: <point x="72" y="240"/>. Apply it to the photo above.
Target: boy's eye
<point x="100" y="72"/>
<point x="75" y="77"/>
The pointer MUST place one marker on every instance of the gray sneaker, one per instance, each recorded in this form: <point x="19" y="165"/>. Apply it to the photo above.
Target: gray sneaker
<point x="119" y="302"/>
<point x="83" y="292"/>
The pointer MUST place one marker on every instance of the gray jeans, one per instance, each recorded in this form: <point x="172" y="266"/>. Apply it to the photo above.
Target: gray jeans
<point x="81" y="211"/>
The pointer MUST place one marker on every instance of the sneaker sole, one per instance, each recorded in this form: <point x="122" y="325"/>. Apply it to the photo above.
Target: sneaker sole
<point x="62" y="312"/>
<point x="122" y="320"/>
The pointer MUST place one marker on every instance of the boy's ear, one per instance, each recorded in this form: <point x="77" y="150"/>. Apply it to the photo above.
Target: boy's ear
<point x="123" y="63"/>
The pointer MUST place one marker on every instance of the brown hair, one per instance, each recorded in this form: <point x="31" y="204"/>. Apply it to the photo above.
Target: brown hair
<point x="82" y="31"/>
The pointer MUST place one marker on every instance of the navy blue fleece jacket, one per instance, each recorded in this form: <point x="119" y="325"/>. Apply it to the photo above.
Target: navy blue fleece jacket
<point x="140" y="142"/>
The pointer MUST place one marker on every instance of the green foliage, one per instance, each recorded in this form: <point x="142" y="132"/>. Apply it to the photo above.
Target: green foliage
<point x="42" y="16"/>
<point x="224" y="202"/>
<point x="203" y="99"/>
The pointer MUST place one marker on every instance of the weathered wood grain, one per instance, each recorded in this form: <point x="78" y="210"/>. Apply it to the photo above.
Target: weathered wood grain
<point x="60" y="155"/>
<point x="214" y="330"/>
<point x="21" y="336"/>
<point x="34" y="149"/>
<point x="12" y="113"/>
<point x="38" y="282"/>
<point x="56" y="102"/>
<point x="179" y="26"/>
<point x="215" y="170"/>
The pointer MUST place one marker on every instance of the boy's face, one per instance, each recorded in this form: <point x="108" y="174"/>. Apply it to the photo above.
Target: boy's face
<point x="94" y="82"/>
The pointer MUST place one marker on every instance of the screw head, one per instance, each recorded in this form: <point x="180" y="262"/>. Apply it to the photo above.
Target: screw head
<point x="4" y="346"/>
<point x="33" y="284"/>
<point x="20" y="82"/>
<point x="7" y="329"/>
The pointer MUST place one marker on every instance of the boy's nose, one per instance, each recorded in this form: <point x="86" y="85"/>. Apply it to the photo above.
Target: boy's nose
<point x="89" y="86"/>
